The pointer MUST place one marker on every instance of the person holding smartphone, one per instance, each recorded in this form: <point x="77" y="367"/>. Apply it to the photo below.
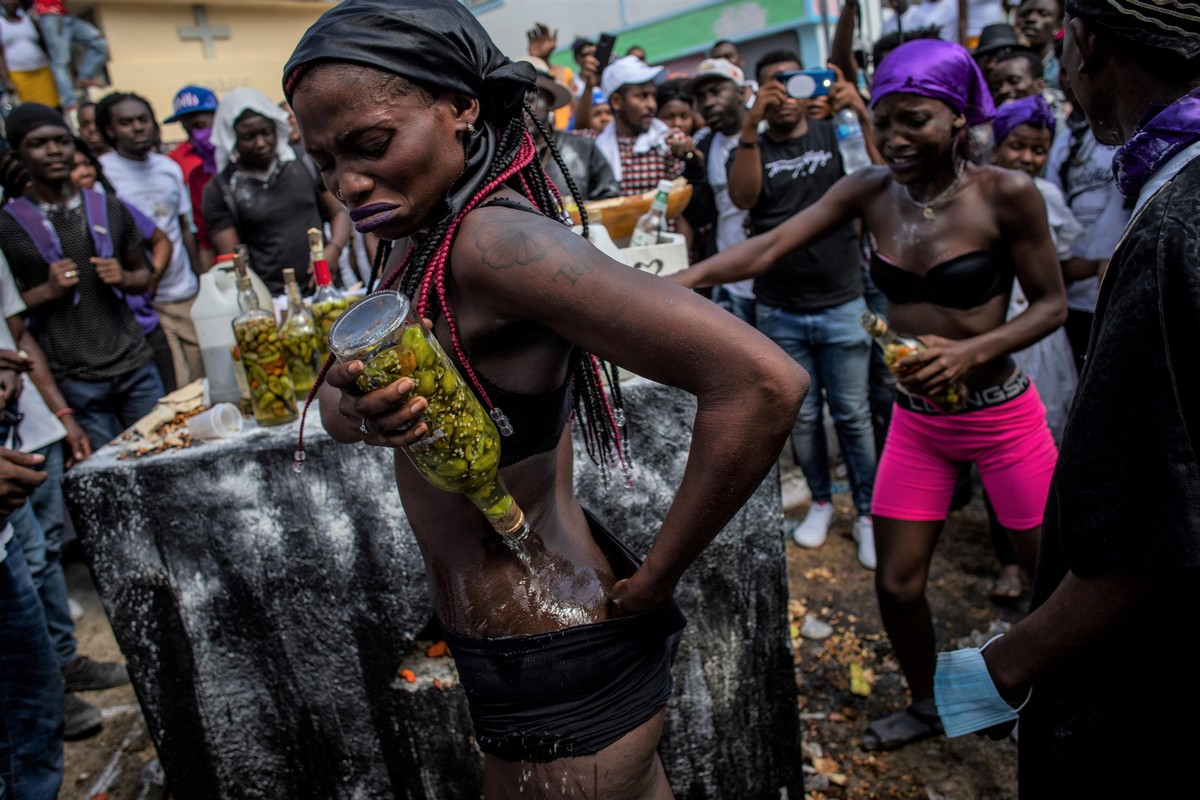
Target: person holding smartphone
<point x="810" y="301"/>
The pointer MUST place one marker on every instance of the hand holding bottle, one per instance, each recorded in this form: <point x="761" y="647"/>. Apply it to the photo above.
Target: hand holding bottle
<point x="386" y="417"/>
<point x="943" y="363"/>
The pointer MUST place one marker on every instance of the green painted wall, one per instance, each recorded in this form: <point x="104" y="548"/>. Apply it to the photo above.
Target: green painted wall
<point x="697" y="28"/>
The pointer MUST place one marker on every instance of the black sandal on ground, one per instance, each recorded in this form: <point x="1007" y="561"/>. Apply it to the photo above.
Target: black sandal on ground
<point x="900" y="729"/>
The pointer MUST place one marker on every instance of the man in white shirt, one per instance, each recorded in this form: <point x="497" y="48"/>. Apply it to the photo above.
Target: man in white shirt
<point x="154" y="184"/>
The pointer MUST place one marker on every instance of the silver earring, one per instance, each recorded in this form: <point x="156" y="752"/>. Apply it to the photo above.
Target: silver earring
<point x="471" y="130"/>
<point x="338" y="194"/>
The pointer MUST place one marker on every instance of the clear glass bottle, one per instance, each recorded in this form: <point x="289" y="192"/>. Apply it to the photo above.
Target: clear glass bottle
<point x="272" y="396"/>
<point x="328" y="303"/>
<point x="300" y="340"/>
<point x="898" y="345"/>
<point x="649" y="227"/>
<point x="461" y="452"/>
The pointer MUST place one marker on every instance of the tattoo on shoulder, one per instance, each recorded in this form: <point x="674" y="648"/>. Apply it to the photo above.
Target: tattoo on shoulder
<point x="502" y="246"/>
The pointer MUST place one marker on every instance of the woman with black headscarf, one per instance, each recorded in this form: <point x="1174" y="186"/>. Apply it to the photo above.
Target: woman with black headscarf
<point x="415" y="120"/>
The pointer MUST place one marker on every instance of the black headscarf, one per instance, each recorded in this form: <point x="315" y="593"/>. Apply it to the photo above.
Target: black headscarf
<point x="434" y="43"/>
<point x="28" y="117"/>
<point x="1172" y="25"/>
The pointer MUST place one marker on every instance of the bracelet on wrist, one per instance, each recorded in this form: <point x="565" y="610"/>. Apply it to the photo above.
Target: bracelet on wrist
<point x="748" y="145"/>
<point x="62" y="412"/>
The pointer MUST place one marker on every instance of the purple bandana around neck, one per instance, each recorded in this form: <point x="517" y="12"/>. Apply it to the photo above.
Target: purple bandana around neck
<point x="1162" y="133"/>
<point x="941" y="70"/>
<point x="201" y="139"/>
<point x="1033" y="111"/>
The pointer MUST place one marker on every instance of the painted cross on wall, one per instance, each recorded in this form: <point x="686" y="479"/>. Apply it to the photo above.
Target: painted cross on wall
<point x="203" y="32"/>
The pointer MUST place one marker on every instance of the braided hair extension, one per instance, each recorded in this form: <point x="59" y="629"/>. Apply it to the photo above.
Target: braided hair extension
<point x="421" y="276"/>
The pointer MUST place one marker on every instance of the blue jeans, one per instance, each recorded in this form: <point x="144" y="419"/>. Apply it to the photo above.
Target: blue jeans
<point x="39" y="526"/>
<point x="31" y="689"/>
<point x="740" y="307"/>
<point x="107" y="407"/>
<point x="835" y="350"/>
<point x="60" y="33"/>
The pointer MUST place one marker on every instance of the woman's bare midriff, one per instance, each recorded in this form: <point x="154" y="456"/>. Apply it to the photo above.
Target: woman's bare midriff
<point x="480" y="585"/>
<point x="628" y="769"/>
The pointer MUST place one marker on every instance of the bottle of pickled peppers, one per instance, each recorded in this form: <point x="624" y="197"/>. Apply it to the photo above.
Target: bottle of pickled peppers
<point x="328" y="303"/>
<point x="898" y="345"/>
<point x="272" y="397"/>
<point x="299" y="337"/>
<point x="461" y="452"/>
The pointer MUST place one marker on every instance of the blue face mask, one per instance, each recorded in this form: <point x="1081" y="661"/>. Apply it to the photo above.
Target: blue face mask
<point x="967" y="699"/>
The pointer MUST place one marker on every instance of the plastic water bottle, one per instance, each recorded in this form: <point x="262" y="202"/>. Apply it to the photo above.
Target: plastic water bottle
<point x="850" y="141"/>
<point x="650" y="225"/>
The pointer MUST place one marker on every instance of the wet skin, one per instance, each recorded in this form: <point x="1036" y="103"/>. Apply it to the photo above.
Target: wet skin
<point x="521" y="285"/>
<point x="991" y="209"/>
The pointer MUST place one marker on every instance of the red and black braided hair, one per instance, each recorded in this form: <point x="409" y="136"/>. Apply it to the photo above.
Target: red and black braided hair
<point x="421" y="275"/>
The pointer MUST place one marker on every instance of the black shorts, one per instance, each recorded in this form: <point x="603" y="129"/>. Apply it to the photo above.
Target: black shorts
<point x="575" y="691"/>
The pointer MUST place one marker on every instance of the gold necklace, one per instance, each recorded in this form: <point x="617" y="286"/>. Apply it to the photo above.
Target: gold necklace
<point x="927" y="208"/>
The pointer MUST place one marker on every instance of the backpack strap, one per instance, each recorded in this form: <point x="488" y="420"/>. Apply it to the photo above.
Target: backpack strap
<point x="40" y="231"/>
<point x="95" y="205"/>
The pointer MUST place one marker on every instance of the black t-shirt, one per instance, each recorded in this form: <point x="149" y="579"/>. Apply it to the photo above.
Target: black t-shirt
<point x="1125" y="498"/>
<point x="796" y="174"/>
<point x="96" y="337"/>
<point x="272" y="216"/>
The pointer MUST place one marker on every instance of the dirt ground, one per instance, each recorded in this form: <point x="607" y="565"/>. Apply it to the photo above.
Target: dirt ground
<point x="827" y="583"/>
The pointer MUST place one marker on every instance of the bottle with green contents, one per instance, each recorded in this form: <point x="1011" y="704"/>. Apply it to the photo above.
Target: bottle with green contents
<point x="461" y="452"/>
<point x="300" y="340"/>
<point x="897" y="346"/>
<point x="272" y="396"/>
<point x="328" y="302"/>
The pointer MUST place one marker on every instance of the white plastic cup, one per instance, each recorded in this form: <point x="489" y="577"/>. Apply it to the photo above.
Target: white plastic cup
<point x="218" y="422"/>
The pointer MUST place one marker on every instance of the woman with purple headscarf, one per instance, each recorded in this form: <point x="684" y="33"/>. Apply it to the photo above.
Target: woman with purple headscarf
<point x="951" y="236"/>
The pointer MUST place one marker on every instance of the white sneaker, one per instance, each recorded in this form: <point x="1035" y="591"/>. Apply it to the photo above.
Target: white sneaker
<point x="793" y="489"/>
<point x="864" y="534"/>
<point x="815" y="527"/>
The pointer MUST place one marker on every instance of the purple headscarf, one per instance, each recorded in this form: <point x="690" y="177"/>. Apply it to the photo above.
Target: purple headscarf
<point x="942" y="70"/>
<point x="1033" y="111"/>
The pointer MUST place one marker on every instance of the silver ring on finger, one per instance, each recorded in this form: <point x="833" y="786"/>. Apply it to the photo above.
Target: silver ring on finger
<point x="362" y="428"/>
<point x="69" y="274"/>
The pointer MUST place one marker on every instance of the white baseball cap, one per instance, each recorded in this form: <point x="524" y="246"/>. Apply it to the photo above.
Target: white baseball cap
<point x="716" y="68"/>
<point x="626" y="71"/>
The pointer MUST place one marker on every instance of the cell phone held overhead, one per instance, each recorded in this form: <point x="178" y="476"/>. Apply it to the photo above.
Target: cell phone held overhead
<point x="805" y="83"/>
<point x="604" y="49"/>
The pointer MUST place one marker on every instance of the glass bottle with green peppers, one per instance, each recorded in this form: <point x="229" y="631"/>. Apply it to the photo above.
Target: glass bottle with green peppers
<point x="328" y="303"/>
<point x="300" y="340"/>
<point x="461" y="452"/>
<point x="272" y="397"/>
<point x="897" y="346"/>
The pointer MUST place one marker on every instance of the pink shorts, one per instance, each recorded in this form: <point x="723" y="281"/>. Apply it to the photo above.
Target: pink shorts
<point x="1010" y="443"/>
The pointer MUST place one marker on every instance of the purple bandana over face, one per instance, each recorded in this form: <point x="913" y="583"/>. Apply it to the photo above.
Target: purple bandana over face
<point x="201" y="139"/>
<point x="1162" y="133"/>
<point x="1032" y="111"/>
<point x="941" y="70"/>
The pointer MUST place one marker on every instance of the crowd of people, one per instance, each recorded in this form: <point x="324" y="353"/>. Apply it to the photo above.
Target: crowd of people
<point x="1008" y="156"/>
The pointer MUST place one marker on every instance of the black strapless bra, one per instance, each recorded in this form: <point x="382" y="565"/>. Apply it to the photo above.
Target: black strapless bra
<point x="961" y="282"/>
